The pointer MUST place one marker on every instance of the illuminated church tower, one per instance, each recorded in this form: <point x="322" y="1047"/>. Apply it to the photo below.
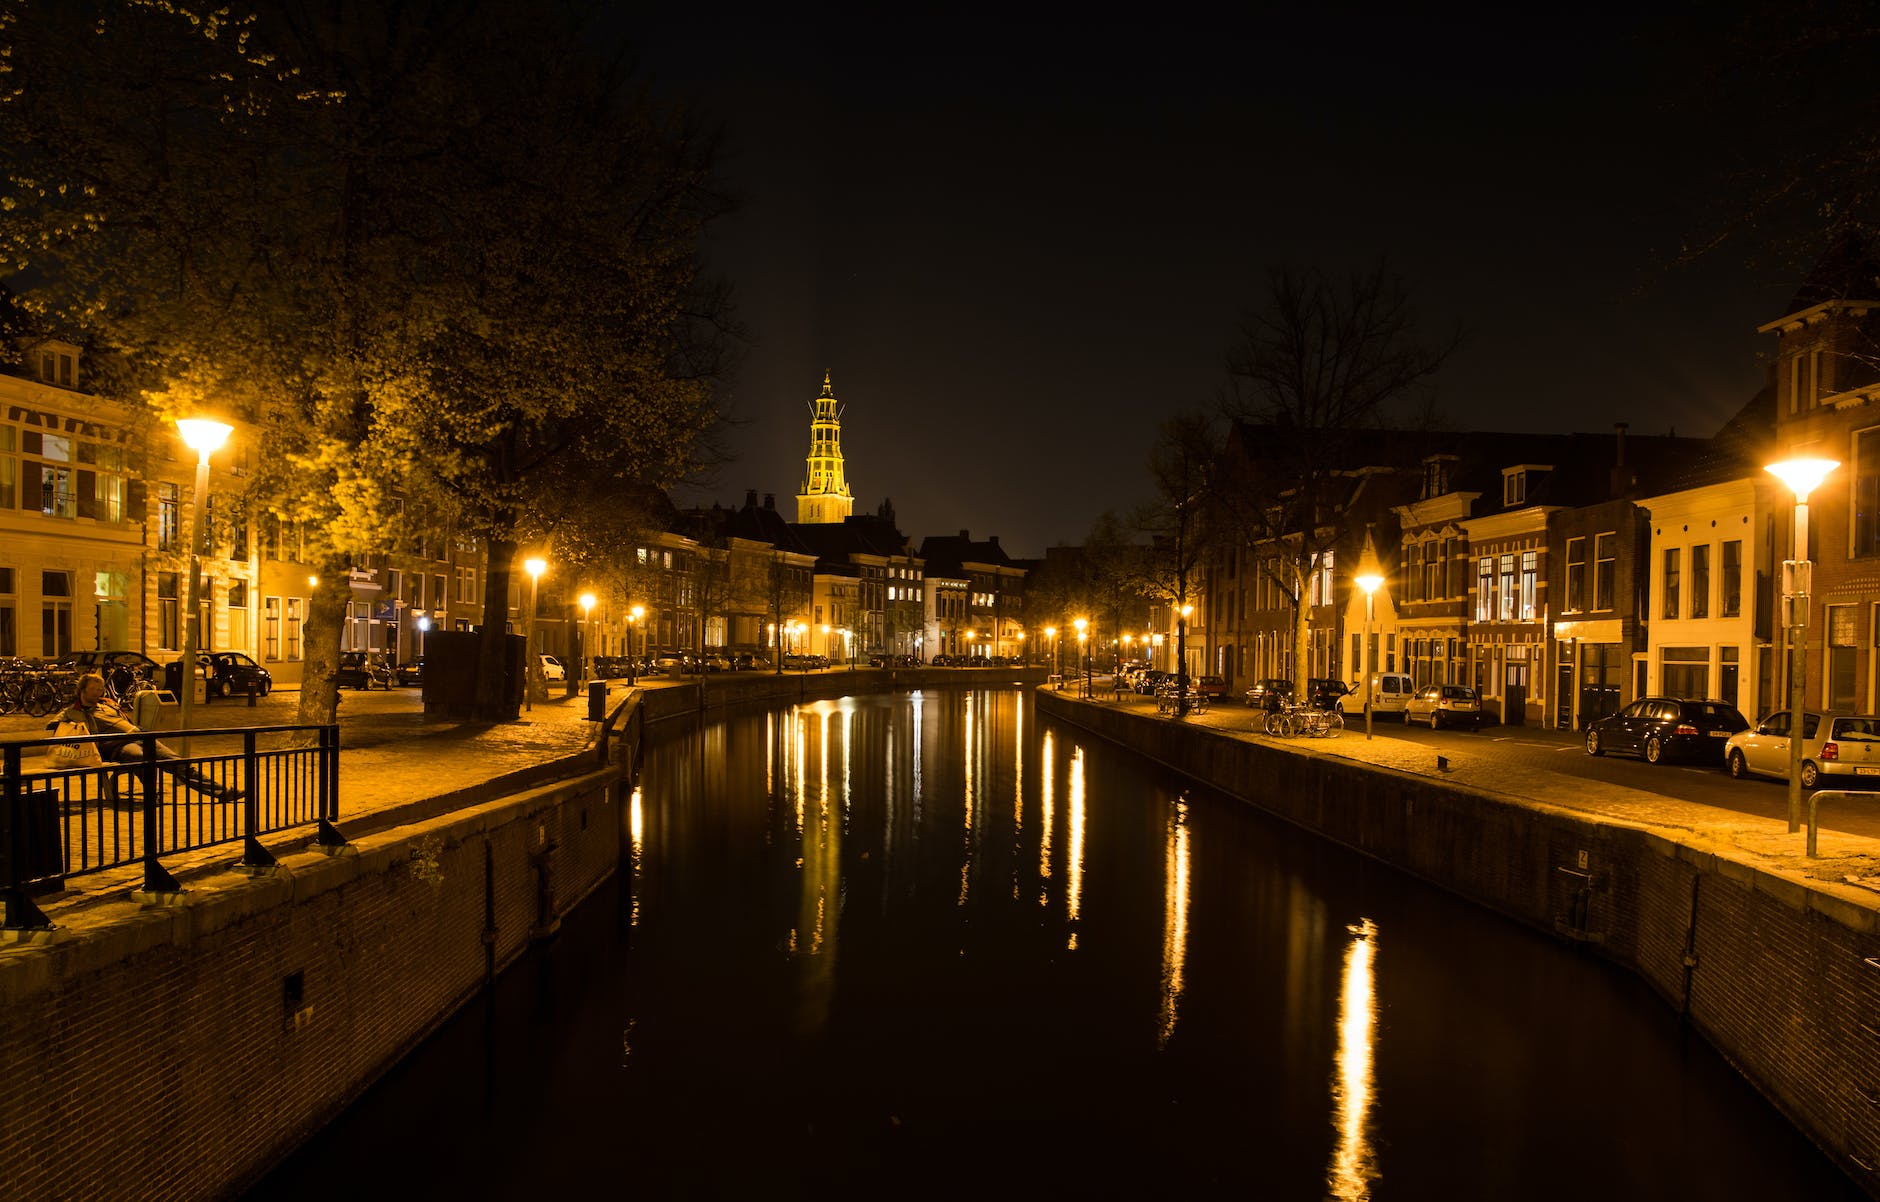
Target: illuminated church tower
<point x="825" y="496"/>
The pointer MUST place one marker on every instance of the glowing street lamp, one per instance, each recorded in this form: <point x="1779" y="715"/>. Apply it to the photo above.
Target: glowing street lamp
<point x="1051" y="633"/>
<point x="633" y="654"/>
<point x="825" y="632"/>
<point x="1802" y="475"/>
<point x="203" y="436"/>
<point x="533" y="667"/>
<point x="1368" y="582"/>
<point x="1181" y="660"/>
<point x="1083" y="652"/>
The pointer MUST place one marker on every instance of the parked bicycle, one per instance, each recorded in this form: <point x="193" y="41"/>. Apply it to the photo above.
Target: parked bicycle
<point x="1295" y="721"/>
<point x="1169" y="700"/>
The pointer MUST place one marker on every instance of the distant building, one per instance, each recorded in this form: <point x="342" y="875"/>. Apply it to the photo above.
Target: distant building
<point x="825" y="496"/>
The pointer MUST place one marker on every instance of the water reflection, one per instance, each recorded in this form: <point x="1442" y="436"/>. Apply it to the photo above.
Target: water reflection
<point x="1354" y="1163"/>
<point x="793" y="993"/>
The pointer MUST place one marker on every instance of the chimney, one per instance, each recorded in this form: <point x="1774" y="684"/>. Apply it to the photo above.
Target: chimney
<point x="770" y="500"/>
<point x="1622" y="480"/>
<point x="994" y="540"/>
<point x="750" y="498"/>
<point x="1618" y="430"/>
<point x="965" y="537"/>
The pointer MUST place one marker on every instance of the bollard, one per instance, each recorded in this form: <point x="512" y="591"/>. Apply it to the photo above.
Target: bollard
<point x="251" y="694"/>
<point x="597" y="701"/>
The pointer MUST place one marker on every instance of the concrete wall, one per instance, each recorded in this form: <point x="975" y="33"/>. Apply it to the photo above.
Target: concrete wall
<point x="1782" y="976"/>
<point x="179" y="1052"/>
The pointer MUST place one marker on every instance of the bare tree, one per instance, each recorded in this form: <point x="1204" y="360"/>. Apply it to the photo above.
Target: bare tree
<point x="1318" y="378"/>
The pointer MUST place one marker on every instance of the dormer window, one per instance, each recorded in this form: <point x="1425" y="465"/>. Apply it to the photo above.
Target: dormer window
<point x="58" y="364"/>
<point x="1436" y="475"/>
<point x="1514" y="486"/>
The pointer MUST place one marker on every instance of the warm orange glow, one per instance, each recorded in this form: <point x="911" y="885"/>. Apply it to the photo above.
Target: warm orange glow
<point x="203" y="435"/>
<point x="1354" y="1161"/>
<point x="1802" y="475"/>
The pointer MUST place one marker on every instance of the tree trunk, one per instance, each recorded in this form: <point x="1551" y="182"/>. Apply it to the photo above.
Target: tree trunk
<point x="320" y="642"/>
<point x="490" y="704"/>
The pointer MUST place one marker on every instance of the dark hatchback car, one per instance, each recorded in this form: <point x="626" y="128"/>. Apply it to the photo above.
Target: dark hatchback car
<point x="363" y="670"/>
<point x="231" y="674"/>
<point x="1667" y="728"/>
<point x="1270" y="694"/>
<point x="123" y="671"/>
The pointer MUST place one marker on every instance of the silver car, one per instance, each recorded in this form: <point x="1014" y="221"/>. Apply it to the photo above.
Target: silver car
<point x="1444" y="705"/>
<point x="1848" y="747"/>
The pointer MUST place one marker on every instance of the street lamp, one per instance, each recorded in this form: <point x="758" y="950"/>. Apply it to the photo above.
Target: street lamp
<point x="531" y="664"/>
<point x="203" y="436"/>
<point x="1181" y="659"/>
<point x="587" y="616"/>
<point x="1802" y="476"/>
<point x="1368" y="583"/>
<point x="1050" y="632"/>
<point x="1083" y="656"/>
<point x="825" y="640"/>
<point x="633" y="655"/>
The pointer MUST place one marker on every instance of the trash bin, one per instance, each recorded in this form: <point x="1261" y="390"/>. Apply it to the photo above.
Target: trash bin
<point x="154" y="709"/>
<point x="597" y="701"/>
<point x="31" y="850"/>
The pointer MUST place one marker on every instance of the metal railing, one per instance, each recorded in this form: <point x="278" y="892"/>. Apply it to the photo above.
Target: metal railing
<point x="58" y="821"/>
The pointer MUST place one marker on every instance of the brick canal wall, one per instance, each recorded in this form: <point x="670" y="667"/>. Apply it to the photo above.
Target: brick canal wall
<point x="180" y="1052"/>
<point x="1781" y="975"/>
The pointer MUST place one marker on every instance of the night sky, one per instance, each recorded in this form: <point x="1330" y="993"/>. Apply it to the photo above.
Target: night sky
<point x="1018" y="248"/>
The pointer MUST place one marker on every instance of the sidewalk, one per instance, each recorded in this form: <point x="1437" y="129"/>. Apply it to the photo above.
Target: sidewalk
<point x="1844" y="859"/>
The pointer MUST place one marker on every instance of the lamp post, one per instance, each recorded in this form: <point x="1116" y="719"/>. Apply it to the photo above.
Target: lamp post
<point x="825" y="630"/>
<point x="1051" y="633"/>
<point x="203" y="436"/>
<point x="1083" y="655"/>
<point x="531" y="664"/>
<point x="1802" y="475"/>
<point x="587" y="618"/>
<point x="633" y="653"/>
<point x="1368" y="583"/>
<point x="1181" y="659"/>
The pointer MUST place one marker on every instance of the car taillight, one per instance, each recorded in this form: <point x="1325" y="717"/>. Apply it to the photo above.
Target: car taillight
<point x="1830" y="752"/>
<point x="1684" y="728"/>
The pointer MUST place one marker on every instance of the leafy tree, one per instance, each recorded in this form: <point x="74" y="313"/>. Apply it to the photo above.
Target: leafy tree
<point x="1322" y="380"/>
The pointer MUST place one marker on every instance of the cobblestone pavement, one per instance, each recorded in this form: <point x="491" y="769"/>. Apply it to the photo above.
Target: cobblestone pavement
<point x="1547" y="767"/>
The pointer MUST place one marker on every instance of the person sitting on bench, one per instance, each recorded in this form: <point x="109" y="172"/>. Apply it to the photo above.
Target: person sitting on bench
<point x="101" y="716"/>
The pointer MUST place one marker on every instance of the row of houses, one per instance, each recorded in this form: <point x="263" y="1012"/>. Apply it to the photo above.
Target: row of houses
<point x="1563" y="576"/>
<point x="97" y="499"/>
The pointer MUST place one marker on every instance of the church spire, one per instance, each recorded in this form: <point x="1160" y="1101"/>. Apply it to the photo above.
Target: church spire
<point x="825" y="496"/>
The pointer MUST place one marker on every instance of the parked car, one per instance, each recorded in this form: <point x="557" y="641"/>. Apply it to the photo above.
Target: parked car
<point x="1442" y="705"/>
<point x="1212" y="686"/>
<point x="716" y="663"/>
<point x="1848" y="749"/>
<point x="232" y="674"/>
<point x="671" y="663"/>
<point x="1324" y="692"/>
<point x="1392" y="696"/>
<point x="363" y="670"/>
<point x="1270" y="694"/>
<point x="552" y="669"/>
<point x="1148" y="682"/>
<point x="1664" y="728"/>
<point x="410" y="672"/>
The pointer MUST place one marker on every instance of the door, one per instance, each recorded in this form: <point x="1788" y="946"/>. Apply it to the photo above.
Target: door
<point x="1563" y="698"/>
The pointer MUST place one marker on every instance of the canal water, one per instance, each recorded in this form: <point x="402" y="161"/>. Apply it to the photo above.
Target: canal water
<point x="933" y="946"/>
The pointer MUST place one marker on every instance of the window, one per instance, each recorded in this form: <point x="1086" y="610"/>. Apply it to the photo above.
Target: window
<point x="437" y="593"/>
<point x="1530" y="585"/>
<point x="293" y="627"/>
<point x="1700" y="581"/>
<point x="1505" y="609"/>
<point x="9" y="468"/>
<point x="1413" y="572"/>
<point x="55" y="613"/>
<point x="9" y="631"/>
<point x="1513" y="487"/>
<point x="1433" y="572"/>
<point x="1605" y="570"/>
<point x="1484" y="589"/>
<point x="1866" y="498"/>
<point x="271" y="628"/>
<point x="1456" y="551"/>
<point x="1576" y="575"/>
<point x="238" y="632"/>
<point x="239" y="534"/>
<point x="167" y="611"/>
<point x="1841" y="650"/>
<point x="1731" y="602"/>
<point x="167" y="517"/>
<point x="1673" y="560"/>
<point x="1686" y="672"/>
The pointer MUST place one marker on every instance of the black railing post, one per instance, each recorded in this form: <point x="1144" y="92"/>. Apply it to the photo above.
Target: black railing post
<point x="254" y="856"/>
<point x="329" y="838"/>
<point x="157" y="878"/>
<point x="21" y="913"/>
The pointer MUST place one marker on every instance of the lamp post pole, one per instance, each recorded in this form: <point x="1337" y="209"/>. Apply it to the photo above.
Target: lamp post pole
<point x="633" y="653"/>
<point x="587" y="627"/>
<point x="1802" y="476"/>
<point x="1083" y="655"/>
<point x="204" y="437"/>
<point x="530" y="664"/>
<point x="1181" y="659"/>
<point x="1369" y="584"/>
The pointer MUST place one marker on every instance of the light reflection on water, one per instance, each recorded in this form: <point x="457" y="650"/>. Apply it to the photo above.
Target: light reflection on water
<point x="842" y="965"/>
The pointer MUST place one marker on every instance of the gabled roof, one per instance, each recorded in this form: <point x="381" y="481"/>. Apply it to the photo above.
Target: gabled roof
<point x="948" y="554"/>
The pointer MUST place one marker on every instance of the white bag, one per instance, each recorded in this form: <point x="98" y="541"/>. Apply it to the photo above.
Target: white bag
<point x="75" y="755"/>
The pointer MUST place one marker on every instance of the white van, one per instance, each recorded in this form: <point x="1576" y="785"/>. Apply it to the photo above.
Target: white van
<point x="1392" y="697"/>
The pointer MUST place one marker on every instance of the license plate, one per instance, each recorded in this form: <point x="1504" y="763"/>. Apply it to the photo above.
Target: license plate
<point x="1719" y="734"/>
<point x="1867" y="772"/>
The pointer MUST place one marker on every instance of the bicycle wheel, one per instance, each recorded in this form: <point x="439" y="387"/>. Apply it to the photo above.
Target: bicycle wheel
<point x="1289" y="726"/>
<point x="1334" y="724"/>
<point x="1275" y="723"/>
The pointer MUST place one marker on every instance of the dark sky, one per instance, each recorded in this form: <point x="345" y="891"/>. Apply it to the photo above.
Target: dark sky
<point x="1018" y="247"/>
